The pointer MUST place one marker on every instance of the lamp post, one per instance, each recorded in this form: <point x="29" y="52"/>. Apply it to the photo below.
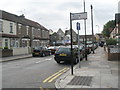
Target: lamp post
<point x="92" y="29"/>
<point x="85" y="35"/>
<point x="98" y="28"/>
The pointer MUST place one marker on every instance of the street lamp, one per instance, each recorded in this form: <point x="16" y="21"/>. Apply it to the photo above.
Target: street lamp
<point x="98" y="28"/>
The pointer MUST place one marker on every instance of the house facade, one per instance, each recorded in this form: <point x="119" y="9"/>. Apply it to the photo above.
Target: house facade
<point x="74" y="35"/>
<point x="19" y="33"/>
<point x="88" y="37"/>
<point x="61" y="36"/>
<point x="115" y="33"/>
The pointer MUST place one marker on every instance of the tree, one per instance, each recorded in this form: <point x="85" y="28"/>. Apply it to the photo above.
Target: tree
<point x="108" y="28"/>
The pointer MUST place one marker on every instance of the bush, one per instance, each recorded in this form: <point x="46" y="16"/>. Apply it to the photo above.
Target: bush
<point x="5" y="47"/>
<point x="111" y="41"/>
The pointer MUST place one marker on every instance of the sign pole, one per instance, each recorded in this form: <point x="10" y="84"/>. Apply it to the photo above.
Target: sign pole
<point x="71" y="45"/>
<point x="78" y="28"/>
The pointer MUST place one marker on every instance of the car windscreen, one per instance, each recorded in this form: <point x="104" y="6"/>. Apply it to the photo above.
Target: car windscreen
<point x="38" y="48"/>
<point x="63" y="50"/>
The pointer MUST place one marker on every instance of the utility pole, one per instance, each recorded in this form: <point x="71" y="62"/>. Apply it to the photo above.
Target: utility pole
<point x="85" y="35"/>
<point x="92" y="29"/>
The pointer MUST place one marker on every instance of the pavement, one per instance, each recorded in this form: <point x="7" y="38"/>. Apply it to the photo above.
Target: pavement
<point x="96" y="72"/>
<point x="17" y="57"/>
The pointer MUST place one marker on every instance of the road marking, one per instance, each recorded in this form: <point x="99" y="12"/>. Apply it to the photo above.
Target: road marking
<point x="48" y="59"/>
<point x="58" y="75"/>
<point x="52" y="76"/>
<point x="44" y="60"/>
<point x="40" y="61"/>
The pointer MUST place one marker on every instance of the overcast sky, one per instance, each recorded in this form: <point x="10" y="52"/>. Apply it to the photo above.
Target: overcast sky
<point x="55" y="14"/>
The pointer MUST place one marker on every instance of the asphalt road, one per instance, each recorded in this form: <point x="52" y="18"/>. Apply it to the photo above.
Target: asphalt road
<point x="35" y="72"/>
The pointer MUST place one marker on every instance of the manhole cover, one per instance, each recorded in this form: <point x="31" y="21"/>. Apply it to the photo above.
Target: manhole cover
<point x="81" y="80"/>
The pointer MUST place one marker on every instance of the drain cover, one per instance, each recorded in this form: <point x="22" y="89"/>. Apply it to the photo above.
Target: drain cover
<point x="81" y="80"/>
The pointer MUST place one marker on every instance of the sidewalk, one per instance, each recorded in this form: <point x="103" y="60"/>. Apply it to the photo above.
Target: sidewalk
<point x="17" y="57"/>
<point x="97" y="72"/>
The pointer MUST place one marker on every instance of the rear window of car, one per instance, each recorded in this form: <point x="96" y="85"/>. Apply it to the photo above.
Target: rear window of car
<point x="63" y="50"/>
<point x="38" y="48"/>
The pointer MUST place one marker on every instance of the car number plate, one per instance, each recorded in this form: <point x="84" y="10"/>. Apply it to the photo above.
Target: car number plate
<point x="63" y="54"/>
<point x="36" y="53"/>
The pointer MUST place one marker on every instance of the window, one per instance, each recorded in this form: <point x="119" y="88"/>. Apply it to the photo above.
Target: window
<point x="6" y="42"/>
<point x="1" y="26"/>
<point x="19" y="28"/>
<point x="17" y="44"/>
<point x="11" y="27"/>
<point x="33" y="31"/>
<point x="23" y="43"/>
<point x="27" y="30"/>
<point x="13" y="43"/>
<point x="0" y="42"/>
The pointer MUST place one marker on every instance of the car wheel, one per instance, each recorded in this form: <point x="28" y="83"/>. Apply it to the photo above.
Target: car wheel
<point x="58" y="62"/>
<point x="43" y="55"/>
<point x="33" y="55"/>
<point x="76" y="61"/>
<point x="50" y="53"/>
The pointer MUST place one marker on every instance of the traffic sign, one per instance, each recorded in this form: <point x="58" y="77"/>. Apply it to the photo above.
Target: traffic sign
<point x="79" y="16"/>
<point x="78" y="26"/>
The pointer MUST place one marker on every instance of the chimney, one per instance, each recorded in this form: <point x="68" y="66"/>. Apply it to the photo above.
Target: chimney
<point x="22" y="16"/>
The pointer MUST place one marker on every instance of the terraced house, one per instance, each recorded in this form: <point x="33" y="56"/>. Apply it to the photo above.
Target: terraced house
<point x="21" y="34"/>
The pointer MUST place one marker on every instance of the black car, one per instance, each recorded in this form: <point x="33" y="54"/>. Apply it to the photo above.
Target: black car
<point x="64" y="54"/>
<point x="41" y="51"/>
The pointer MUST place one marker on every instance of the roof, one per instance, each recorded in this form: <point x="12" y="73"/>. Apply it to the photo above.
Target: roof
<point x="20" y="19"/>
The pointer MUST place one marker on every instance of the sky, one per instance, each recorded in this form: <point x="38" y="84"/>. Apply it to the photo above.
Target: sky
<point x="55" y="14"/>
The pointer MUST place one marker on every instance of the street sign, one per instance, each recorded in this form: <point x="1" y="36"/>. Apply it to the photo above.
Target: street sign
<point x="78" y="26"/>
<point x="79" y="16"/>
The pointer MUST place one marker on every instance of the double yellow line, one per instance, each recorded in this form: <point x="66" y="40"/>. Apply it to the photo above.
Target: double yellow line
<point x="54" y="76"/>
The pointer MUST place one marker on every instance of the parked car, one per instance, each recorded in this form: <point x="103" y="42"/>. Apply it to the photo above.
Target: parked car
<point x="95" y="45"/>
<point x="52" y="49"/>
<point x="41" y="51"/>
<point x="64" y="54"/>
<point x="82" y="51"/>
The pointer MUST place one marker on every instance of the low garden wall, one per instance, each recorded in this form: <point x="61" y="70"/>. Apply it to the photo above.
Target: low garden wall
<point x="22" y="50"/>
<point x="6" y="52"/>
<point x="113" y="52"/>
<point x="15" y="51"/>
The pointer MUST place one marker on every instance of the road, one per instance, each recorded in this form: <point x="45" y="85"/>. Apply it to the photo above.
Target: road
<point x="35" y="72"/>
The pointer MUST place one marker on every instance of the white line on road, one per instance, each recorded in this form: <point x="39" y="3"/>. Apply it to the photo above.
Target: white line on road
<point x="48" y="59"/>
<point x="44" y="60"/>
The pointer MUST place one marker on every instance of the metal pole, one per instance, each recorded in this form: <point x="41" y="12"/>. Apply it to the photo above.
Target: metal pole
<point x="85" y="35"/>
<point x="71" y="45"/>
<point x="92" y="29"/>
<point x="78" y="49"/>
